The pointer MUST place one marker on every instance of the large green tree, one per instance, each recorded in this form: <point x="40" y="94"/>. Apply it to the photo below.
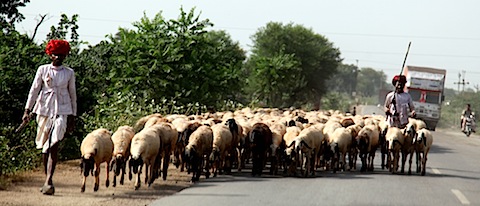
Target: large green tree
<point x="370" y="81"/>
<point x="317" y="57"/>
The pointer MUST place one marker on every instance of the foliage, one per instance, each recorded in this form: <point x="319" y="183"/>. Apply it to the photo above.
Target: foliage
<point x="336" y="101"/>
<point x="317" y="57"/>
<point x="9" y="14"/>
<point x="370" y="82"/>
<point x="273" y="80"/>
<point x="345" y="80"/>
<point x="453" y="106"/>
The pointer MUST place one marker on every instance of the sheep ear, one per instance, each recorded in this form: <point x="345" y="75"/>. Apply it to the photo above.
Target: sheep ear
<point x="291" y="144"/>
<point x="306" y="145"/>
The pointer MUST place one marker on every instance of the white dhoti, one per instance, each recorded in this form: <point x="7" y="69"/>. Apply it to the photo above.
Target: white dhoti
<point x="50" y="131"/>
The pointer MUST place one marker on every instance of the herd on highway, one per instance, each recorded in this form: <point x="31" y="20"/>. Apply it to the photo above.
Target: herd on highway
<point x="288" y="142"/>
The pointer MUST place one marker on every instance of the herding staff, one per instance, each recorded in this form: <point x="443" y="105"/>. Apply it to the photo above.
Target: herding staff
<point x="396" y="84"/>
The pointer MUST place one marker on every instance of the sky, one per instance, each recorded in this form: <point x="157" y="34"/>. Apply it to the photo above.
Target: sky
<point x="369" y="33"/>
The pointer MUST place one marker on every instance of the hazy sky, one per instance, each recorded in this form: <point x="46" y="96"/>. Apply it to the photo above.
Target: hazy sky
<point x="444" y="33"/>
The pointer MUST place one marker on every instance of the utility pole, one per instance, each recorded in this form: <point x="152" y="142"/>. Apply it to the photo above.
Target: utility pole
<point x="461" y="81"/>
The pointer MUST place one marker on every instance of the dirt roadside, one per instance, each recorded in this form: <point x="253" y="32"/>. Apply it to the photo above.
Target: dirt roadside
<point x="68" y="180"/>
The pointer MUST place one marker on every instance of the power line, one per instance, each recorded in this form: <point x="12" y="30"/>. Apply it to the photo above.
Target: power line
<point x="327" y="32"/>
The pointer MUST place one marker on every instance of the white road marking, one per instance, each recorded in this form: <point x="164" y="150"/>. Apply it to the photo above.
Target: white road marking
<point x="436" y="171"/>
<point x="460" y="197"/>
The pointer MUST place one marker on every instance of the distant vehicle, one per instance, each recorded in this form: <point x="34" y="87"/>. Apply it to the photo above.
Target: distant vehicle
<point x="426" y="86"/>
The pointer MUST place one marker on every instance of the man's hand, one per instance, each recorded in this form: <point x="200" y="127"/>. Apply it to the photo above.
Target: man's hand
<point x="388" y="113"/>
<point x="70" y="123"/>
<point x="26" y="115"/>
<point x="413" y="113"/>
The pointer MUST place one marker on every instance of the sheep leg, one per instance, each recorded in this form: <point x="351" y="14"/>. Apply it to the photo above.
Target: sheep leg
<point x="166" y="161"/>
<point x="82" y="189"/>
<point x="372" y="156"/>
<point x="418" y="160"/>
<point x="424" y="161"/>
<point x="122" y="175"/>
<point x="97" y="177"/>
<point x="410" y="163"/>
<point x="240" y="163"/>
<point x="107" y="168"/>
<point x="137" y="180"/>
<point x="404" y="160"/>
<point x="364" y="162"/>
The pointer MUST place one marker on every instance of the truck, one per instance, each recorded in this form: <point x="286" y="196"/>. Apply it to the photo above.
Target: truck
<point x="426" y="86"/>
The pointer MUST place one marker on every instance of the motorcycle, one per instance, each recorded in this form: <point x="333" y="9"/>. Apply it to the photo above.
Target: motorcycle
<point x="469" y="125"/>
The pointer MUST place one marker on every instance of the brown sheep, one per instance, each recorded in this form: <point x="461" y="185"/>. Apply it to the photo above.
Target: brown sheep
<point x="96" y="148"/>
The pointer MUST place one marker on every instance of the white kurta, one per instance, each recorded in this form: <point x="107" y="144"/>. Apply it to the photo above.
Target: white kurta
<point x="403" y="104"/>
<point x="53" y="97"/>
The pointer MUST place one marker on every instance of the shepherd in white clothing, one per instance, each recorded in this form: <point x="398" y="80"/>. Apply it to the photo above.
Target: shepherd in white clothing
<point x="53" y="99"/>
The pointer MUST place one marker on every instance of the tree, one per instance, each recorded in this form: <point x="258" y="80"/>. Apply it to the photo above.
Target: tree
<point x="345" y="80"/>
<point x="370" y="82"/>
<point x="274" y="80"/>
<point x="9" y="14"/>
<point x="317" y="57"/>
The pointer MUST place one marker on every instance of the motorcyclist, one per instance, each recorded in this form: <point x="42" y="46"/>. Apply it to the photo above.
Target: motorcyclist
<point x="465" y="114"/>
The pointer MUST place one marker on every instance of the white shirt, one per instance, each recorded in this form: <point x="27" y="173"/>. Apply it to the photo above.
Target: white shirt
<point x="403" y="103"/>
<point x="53" y="91"/>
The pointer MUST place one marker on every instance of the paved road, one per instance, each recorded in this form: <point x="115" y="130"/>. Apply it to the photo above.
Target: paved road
<point x="453" y="173"/>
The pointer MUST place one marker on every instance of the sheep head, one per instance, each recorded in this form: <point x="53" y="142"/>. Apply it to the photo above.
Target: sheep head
<point x="87" y="165"/>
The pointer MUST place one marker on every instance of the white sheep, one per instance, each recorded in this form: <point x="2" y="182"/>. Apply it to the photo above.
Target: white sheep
<point x="395" y="139"/>
<point x="423" y="142"/>
<point x="121" y="151"/>
<point x="222" y="146"/>
<point x="278" y="146"/>
<point x="408" y="147"/>
<point x="367" y="143"/>
<point x="340" y="142"/>
<point x="96" y="148"/>
<point x="289" y="138"/>
<point x="199" y="145"/>
<point x="307" y="144"/>
<point x="144" y="150"/>
<point x="168" y="137"/>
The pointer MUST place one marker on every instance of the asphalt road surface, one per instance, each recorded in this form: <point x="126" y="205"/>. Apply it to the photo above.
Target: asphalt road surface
<point x="453" y="173"/>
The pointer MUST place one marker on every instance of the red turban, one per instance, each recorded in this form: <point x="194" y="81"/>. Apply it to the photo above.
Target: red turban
<point x="55" y="46"/>
<point x="401" y="78"/>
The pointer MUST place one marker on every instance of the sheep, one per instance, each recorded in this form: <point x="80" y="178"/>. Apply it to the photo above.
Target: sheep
<point x="121" y="152"/>
<point x="237" y="134"/>
<point x="307" y="143"/>
<point x="341" y="143"/>
<point x="200" y="144"/>
<point x="243" y="148"/>
<point x="289" y="138"/>
<point x="367" y="143"/>
<point x="144" y="149"/>
<point x="222" y="146"/>
<point x="383" y="125"/>
<point x="139" y="125"/>
<point x="260" y="140"/>
<point x="184" y="128"/>
<point x="423" y="142"/>
<point x="278" y="145"/>
<point x="395" y="139"/>
<point x="96" y="148"/>
<point x="408" y="147"/>
<point x="168" y="137"/>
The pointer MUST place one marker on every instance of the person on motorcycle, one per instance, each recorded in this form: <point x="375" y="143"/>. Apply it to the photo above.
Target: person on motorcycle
<point x="465" y="114"/>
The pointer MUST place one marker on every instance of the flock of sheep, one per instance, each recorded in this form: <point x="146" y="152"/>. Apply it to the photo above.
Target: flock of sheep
<point x="292" y="141"/>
